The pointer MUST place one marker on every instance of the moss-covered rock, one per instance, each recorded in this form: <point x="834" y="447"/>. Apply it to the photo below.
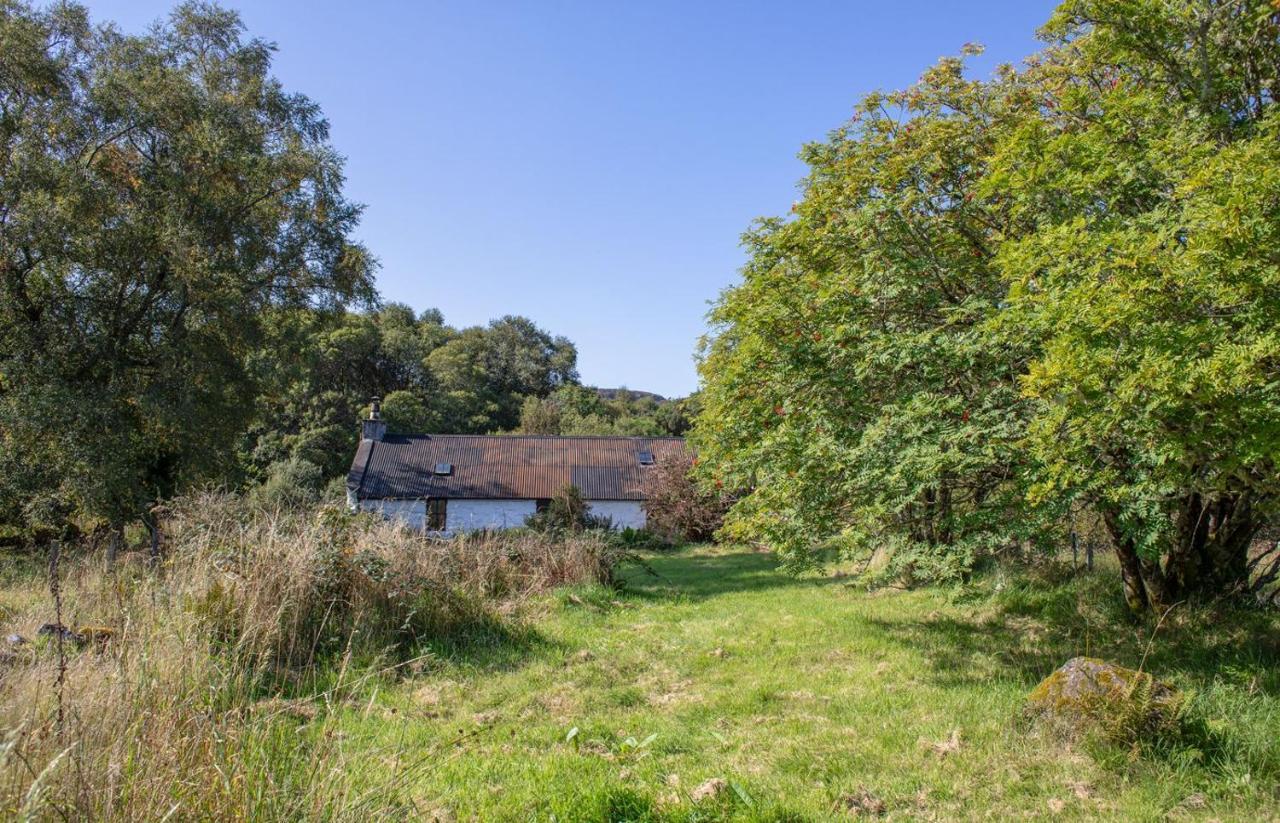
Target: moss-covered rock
<point x="1087" y="695"/>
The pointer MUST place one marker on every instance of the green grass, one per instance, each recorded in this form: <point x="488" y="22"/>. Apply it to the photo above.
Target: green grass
<point x="808" y="694"/>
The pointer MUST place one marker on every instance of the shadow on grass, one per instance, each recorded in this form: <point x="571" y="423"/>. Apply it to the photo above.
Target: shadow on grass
<point x="684" y="574"/>
<point x="1031" y="627"/>
<point x="470" y="631"/>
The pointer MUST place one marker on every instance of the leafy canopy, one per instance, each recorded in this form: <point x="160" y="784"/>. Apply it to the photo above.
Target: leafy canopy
<point x="158" y="194"/>
<point x="1000" y="298"/>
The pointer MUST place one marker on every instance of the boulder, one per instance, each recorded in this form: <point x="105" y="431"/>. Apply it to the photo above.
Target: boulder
<point x="1088" y="695"/>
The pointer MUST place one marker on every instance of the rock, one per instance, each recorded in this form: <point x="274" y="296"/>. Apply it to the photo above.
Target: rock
<point x="16" y="640"/>
<point x="712" y="788"/>
<point x="55" y="629"/>
<point x="1087" y="694"/>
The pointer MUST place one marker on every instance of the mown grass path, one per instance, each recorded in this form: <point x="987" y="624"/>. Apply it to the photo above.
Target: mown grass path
<point x="810" y="698"/>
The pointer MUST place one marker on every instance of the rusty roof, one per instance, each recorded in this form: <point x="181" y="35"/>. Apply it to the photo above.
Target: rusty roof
<point x="505" y="467"/>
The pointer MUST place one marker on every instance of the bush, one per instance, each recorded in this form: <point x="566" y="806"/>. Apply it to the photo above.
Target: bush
<point x="678" y="509"/>
<point x="291" y="482"/>
<point x="567" y="512"/>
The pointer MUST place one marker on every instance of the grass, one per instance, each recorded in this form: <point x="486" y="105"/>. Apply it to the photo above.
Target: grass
<point x="314" y="665"/>
<point x="206" y="688"/>
<point x="813" y="699"/>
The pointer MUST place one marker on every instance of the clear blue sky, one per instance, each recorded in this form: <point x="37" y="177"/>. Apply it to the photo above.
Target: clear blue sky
<point x="592" y="164"/>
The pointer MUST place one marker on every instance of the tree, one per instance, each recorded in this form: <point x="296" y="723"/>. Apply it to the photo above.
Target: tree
<point x="848" y="381"/>
<point x="539" y="416"/>
<point x="405" y="413"/>
<point x="159" y="193"/>
<point x="1144" y="272"/>
<point x="486" y="372"/>
<point x="998" y="299"/>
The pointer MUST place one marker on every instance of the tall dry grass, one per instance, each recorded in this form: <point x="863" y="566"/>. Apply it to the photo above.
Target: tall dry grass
<point x="204" y="687"/>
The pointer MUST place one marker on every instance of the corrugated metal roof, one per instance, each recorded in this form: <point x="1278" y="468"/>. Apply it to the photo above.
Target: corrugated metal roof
<point x="518" y="467"/>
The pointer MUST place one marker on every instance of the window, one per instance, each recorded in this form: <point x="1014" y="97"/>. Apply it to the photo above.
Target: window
<point x="646" y="458"/>
<point x="541" y="504"/>
<point x="437" y="516"/>
<point x="444" y="469"/>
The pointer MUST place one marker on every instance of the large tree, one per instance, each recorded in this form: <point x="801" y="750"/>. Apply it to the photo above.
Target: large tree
<point x="158" y="194"/>
<point x="1144" y="269"/>
<point x="849" y="381"/>
<point x="998" y="298"/>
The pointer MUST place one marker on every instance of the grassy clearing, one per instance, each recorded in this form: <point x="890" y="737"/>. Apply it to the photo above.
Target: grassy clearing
<point x="813" y="699"/>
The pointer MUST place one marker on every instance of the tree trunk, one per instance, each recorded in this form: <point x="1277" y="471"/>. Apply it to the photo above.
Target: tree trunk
<point x="1135" y="589"/>
<point x="1211" y="554"/>
<point x="1207" y="556"/>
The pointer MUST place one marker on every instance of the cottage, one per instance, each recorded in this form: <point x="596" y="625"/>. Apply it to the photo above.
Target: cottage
<point x="453" y="482"/>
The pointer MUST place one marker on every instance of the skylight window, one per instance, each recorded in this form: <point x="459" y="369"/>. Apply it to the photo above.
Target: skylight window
<point x="646" y="458"/>
<point x="444" y="469"/>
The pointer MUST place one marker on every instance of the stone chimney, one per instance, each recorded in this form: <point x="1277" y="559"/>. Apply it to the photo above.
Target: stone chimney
<point x="374" y="428"/>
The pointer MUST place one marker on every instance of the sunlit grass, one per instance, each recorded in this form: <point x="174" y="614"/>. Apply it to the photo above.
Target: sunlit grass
<point x="807" y="696"/>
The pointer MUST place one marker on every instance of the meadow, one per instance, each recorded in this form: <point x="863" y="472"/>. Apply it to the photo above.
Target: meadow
<point x="316" y="665"/>
<point x="784" y="698"/>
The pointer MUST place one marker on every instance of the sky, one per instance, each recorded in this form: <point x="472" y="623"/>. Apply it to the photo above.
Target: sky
<point x="592" y="165"/>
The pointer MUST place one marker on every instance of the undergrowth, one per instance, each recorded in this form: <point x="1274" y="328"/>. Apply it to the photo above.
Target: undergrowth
<point x="203" y="688"/>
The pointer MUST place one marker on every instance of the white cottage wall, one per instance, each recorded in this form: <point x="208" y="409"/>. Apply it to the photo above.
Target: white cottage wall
<point x="623" y="513"/>
<point x="412" y="513"/>
<point x="471" y="515"/>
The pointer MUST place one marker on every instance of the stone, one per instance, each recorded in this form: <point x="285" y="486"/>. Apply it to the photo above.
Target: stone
<point x="55" y="629"/>
<point x="1089" y="695"/>
<point x="16" y="640"/>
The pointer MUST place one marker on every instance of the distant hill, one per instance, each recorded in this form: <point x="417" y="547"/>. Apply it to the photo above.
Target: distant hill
<point x="610" y="394"/>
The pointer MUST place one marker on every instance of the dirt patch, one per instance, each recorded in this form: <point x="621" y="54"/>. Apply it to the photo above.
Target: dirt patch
<point x="862" y="803"/>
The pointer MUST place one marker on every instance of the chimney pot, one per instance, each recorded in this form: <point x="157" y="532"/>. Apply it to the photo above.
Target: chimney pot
<point x="374" y="428"/>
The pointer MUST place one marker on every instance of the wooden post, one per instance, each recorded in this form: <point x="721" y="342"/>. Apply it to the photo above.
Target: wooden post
<point x="1075" y="550"/>
<point x="113" y="544"/>
<point x="154" y="525"/>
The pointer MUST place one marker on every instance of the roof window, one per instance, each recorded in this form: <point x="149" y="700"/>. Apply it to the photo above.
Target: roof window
<point x="443" y="469"/>
<point x="645" y="458"/>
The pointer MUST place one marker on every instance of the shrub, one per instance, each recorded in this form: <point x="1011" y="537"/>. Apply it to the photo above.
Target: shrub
<point x="567" y="512"/>
<point x="678" y="509"/>
<point x="290" y="482"/>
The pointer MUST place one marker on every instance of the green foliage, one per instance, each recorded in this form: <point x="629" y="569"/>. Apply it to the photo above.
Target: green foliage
<point x="580" y="410"/>
<point x="998" y="299"/>
<point x="1147" y="282"/>
<point x="566" y="512"/>
<point x="318" y="371"/>
<point x="291" y="482"/>
<point x="161" y="192"/>
<point x="849" y="381"/>
<point x="405" y="412"/>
